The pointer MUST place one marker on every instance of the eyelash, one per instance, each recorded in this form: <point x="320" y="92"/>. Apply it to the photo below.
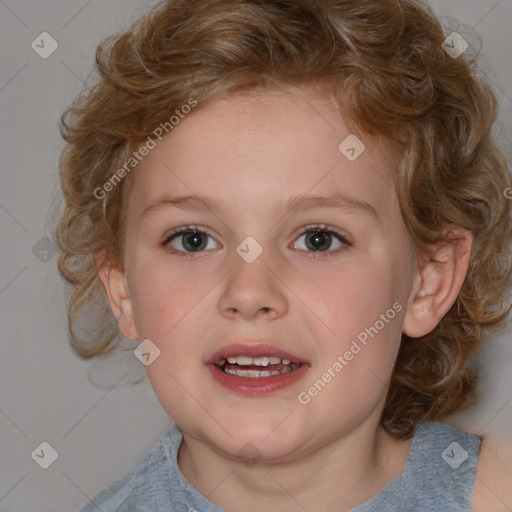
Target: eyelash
<point x="312" y="228"/>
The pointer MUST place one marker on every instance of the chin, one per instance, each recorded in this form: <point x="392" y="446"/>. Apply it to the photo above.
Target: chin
<point x="254" y="441"/>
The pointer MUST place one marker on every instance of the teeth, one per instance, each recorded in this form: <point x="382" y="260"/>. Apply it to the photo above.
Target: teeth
<point x="258" y="374"/>
<point x="255" y="361"/>
<point x="261" y="361"/>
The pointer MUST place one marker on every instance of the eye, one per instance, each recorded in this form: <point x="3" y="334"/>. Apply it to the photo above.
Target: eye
<point x="320" y="239"/>
<point x="187" y="240"/>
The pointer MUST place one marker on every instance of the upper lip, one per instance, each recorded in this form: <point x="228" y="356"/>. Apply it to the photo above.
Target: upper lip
<point x="252" y="350"/>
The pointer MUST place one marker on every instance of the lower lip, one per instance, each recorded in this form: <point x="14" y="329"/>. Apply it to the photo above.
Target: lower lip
<point x="257" y="385"/>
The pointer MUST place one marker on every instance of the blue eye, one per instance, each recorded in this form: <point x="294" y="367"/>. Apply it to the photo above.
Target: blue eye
<point x="188" y="240"/>
<point x="319" y="239"/>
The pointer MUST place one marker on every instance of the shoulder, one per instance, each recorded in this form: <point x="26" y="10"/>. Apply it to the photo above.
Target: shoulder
<point x="493" y="482"/>
<point x="144" y="482"/>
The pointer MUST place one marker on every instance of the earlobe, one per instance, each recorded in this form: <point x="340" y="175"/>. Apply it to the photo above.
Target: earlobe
<point x="114" y="282"/>
<point x="438" y="283"/>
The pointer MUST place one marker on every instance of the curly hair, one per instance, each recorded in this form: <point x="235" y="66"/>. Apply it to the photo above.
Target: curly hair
<point x="386" y="60"/>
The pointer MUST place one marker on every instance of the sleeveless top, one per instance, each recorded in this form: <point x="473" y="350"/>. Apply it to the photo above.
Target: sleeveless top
<point x="439" y="475"/>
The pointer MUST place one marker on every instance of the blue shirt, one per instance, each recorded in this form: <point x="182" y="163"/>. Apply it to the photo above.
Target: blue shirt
<point x="439" y="475"/>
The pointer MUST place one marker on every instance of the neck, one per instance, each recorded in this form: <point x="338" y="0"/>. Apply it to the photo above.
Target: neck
<point x="337" y="476"/>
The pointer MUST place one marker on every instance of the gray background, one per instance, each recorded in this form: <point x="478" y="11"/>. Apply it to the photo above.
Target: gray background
<point x="99" y="423"/>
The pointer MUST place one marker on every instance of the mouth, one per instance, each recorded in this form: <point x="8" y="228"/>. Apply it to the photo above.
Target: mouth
<point x="255" y="369"/>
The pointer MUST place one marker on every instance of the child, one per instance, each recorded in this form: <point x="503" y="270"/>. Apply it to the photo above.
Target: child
<point x="297" y="209"/>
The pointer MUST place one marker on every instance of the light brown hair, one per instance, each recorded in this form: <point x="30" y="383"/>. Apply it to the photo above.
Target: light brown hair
<point x="386" y="60"/>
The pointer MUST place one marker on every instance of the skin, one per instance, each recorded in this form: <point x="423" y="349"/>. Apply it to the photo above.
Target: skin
<point x="250" y="153"/>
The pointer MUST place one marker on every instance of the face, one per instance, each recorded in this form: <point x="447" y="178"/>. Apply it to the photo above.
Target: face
<point x="299" y="254"/>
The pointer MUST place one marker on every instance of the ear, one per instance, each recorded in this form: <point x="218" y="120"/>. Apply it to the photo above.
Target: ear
<point x="114" y="282"/>
<point x="438" y="283"/>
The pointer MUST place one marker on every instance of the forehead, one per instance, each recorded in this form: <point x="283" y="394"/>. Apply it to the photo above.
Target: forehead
<point x="256" y="149"/>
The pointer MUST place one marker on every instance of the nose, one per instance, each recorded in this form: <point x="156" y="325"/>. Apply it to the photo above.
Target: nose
<point x="252" y="290"/>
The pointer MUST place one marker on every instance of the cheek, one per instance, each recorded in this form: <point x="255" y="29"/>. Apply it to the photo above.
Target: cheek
<point x="356" y="362"/>
<point x="352" y="297"/>
<point x="165" y="308"/>
<point x="162" y="298"/>
<point x="361" y="314"/>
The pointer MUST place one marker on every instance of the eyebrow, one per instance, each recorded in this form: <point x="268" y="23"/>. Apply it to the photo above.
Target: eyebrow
<point x="338" y="201"/>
